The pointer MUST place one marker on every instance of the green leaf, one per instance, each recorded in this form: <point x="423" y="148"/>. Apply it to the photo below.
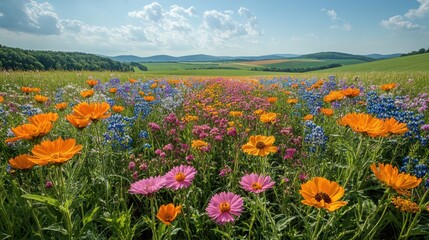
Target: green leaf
<point x="43" y="199"/>
<point x="88" y="218"/>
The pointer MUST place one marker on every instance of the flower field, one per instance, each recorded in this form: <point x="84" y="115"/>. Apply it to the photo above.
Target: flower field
<point x="213" y="158"/>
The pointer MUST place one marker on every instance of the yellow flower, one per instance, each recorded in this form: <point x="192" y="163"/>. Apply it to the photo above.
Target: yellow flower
<point x="235" y="113"/>
<point x="292" y="100"/>
<point x="167" y="213"/>
<point x="405" y="205"/>
<point x="260" y="145"/>
<point x="400" y="182"/>
<point x="322" y="193"/>
<point x="199" y="144"/>
<point x="268" y="117"/>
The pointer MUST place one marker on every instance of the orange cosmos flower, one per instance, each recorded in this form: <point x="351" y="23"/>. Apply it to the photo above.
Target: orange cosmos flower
<point x="132" y="80"/>
<point x="40" y="98"/>
<point x="1" y="99"/>
<point x="36" y="90"/>
<point x="190" y="118"/>
<point x="400" y="182"/>
<point x="113" y="90"/>
<point x="272" y="99"/>
<point x="395" y="127"/>
<point x="118" y="109"/>
<point x="268" y="117"/>
<point x="77" y="121"/>
<point x="167" y="213"/>
<point x="322" y="193"/>
<point x="327" y="111"/>
<point x="87" y="93"/>
<point x="26" y="90"/>
<point x="57" y="151"/>
<point x="149" y="98"/>
<point x="295" y="85"/>
<point x="43" y="117"/>
<point x="260" y="145"/>
<point x="259" y="112"/>
<point x="153" y="85"/>
<point x="308" y="117"/>
<point x="333" y="96"/>
<point x="30" y="131"/>
<point x="199" y="144"/>
<point x="364" y="123"/>
<point x="92" y="82"/>
<point x="93" y="111"/>
<point x="350" y="92"/>
<point x="235" y="113"/>
<point x="61" y="106"/>
<point x="388" y="87"/>
<point x="21" y="162"/>
<point x="292" y="101"/>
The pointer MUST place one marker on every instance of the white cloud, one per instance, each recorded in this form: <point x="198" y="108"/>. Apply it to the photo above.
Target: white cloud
<point x="399" y="22"/>
<point x="152" y="12"/>
<point x="419" y="12"/>
<point x="340" y="23"/>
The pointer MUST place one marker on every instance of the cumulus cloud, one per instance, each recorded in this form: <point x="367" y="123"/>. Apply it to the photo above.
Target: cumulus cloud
<point x="29" y="17"/>
<point x="152" y="12"/>
<point x="340" y="23"/>
<point x="419" y="12"/>
<point x="399" y="22"/>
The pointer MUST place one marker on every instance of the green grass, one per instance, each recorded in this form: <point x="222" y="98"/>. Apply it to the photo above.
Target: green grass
<point x="304" y="63"/>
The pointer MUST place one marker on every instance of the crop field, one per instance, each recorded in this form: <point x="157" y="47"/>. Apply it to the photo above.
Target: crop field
<point x="103" y="155"/>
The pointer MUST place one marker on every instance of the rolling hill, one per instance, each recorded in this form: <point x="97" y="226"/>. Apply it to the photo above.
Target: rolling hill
<point x="418" y="62"/>
<point x="336" y="55"/>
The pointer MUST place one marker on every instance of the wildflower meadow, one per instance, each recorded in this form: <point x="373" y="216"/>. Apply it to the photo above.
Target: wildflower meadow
<point x="213" y="158"/>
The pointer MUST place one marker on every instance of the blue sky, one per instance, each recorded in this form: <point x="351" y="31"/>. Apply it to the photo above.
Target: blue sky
<point x="221" y="27"/>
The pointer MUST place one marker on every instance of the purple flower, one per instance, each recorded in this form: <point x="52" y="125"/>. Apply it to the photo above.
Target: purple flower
<point x="49" y="184"/>
<point x="425" y="127"/>
<point x="180" y="177"/>
<point x="224" y="206"/>
<point x="147" y="186"/>
<point x="290" y="152"/>
<point x="154" y="126"/>
<point x="131" y="165"/>
<point x="256" y="183"/>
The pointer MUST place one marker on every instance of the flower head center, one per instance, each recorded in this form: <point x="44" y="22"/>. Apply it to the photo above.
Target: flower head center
<point x="260" y="145"/>
<point x="256" y="186"/>
<point x="323" y="196"/>
<point x="57" y="155"/>
<point x="180" y="177"/>
<point x="224" y="207"/>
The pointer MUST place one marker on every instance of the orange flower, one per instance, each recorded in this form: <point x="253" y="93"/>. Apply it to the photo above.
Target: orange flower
<point x="333" y="96"/>
<point x="268" y="117"/>
<point x="93" y="111"/>
<point x="118" y="109"/>
<point x="1" y="99"/>
<point x="153" y="85"/>
<point x="235" y="113"/>
<point x="132" y="80"/>
<point x="199" y="144"/>
<point x="292" y="100"/>
<point x="87" y="93"/>
<point x="113" y="90"/>
<point x="364" y="123"/>
<point x="167" y="213"/>
<point x="260" y="145"/>
<point x="395" y="127"/>
<point x="43" y="117"/>
<point x="190" y="118"/>
<point x="92" y="82"/>
<point x="401" y="182"/>
<point x="388" y="87"/>
<point x="259" y="111"/>
<point x="327" y="111"/>
<point x="322" y="193"/>
<point x="308" y="117"/>
<point x="26" y="90"/>
<point x="272" y="99"/>
<point x="30" y="131"/>
<point x="40" y="98"/>
<point x="21" y="162"/>
<point x="295" y="85"/>
<point x="57" y="151"/>
<point x="61" y="106"/>
<point x="149" y="98"/>
<point x="78" y="121"/>
<point x="350" y="92"/>
<point x="36" y="90"/>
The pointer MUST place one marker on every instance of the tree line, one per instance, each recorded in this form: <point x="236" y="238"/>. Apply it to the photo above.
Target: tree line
<point x="305" y="69"/>
<point x="420" y="51"/>
<point x="32" y="60"/>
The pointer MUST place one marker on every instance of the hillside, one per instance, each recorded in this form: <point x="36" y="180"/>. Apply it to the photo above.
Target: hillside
<point x="401" y="64"/>
<point x="336" y="55"/>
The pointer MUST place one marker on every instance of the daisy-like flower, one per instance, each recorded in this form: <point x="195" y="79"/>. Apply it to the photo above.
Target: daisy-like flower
<point x="388" y="87"/>
<point x="77" y="121"/>
<point x="272" y="99"/>
<point x="327" y="111"/>
<point x="92" y="82"/>
<point x="57" y="151"/>
<point x="322" y="193"/>
<point x="26" y="90"/>
<point x="21" y="162"/>
<point x="87" y="93"/>
<point x="180" y="177"/>
<point x="43" y="117"/>
<point x="149" y="98"/>
<point x="167" y="213"/>
<point x="333" y="96"/>
<point x="113" y="90"/>
<point x="199" y="144"/>
<point x="30" y="131"/>
<point x="132" y="80"/>
<point x="1" y="99"/>
<point x="395" y="127"/>
<point x="260" y="145"/>
<point x="256" y="183"/>
<point x="61" y="106"/>
<point x="147" y="186"/>
<point x="269" y="117"/>
<point x="292" y="100"/>
<point x="224" y="206"/>
<point x="308" y="117"/>
<point x="41" y="98"/>
<point x="236" y="114"/>
<point x="364" y="123"/>
<point x="259" y="111"/>
<point x="118" y="109"/>
<point x="350" y="92"/>
<point x="400" y="182"/>
<point x="93" y="111"/>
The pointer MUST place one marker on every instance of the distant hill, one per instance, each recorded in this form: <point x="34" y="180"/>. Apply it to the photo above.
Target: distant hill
<point x="383" y="56"/>
<point x="336" y="55"/>
<point x="199" y="58"/>
<point x="418" y="62"/>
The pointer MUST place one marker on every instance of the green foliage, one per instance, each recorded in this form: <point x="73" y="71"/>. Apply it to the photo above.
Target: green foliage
<point x="337" y="55"/>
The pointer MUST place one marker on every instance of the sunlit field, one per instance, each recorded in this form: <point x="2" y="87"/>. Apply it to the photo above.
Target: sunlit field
<point x="103" y="155"/>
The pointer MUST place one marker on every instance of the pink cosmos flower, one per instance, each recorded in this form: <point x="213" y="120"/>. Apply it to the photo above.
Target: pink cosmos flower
<point x="224" y="206"/>
<point x="256" y="183"/>
<point x="180" y="177"/>
<point x="147" y="186"/>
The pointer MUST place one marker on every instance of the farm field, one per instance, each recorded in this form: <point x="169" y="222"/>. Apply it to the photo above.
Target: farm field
<point x="101" y="155"/>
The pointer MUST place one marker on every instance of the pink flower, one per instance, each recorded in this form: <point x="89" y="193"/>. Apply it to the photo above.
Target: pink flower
<point x="224" y="206"/>
<point x="256" y="183"/>
<point x="180" y="177"/>
<point x="147" y="186"/>
<point x="131" y="165"/>
<point x="153" y="126"/>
